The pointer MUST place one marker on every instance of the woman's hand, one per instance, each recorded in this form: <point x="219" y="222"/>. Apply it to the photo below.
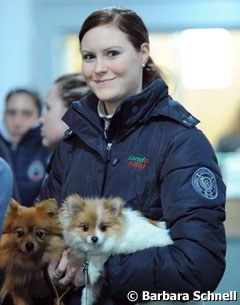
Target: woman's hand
<point x="67" y="270"/>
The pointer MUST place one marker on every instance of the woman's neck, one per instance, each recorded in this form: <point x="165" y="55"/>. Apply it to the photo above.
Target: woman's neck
<point x="110" y="108"/>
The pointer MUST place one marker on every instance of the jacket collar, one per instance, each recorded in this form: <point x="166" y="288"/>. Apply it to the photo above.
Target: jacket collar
<point x="153" y="101"/>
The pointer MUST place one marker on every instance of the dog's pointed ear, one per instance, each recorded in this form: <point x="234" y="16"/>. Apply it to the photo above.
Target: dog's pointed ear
<point x="115" y="205"/>
<point x="13" y="207"/>
<point x="13" y="210"/>
<point x="74" y="204"/>
<point x="49" y="207"/>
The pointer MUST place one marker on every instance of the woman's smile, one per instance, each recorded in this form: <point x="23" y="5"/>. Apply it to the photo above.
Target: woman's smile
<point x="103" y="82"/>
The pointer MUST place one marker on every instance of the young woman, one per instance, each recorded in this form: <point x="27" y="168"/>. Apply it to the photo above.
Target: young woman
<point x="65" y="90"/>
<point x="129" y="138"/>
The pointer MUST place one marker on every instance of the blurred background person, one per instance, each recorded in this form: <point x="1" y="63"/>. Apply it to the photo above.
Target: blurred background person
<point x="65" y="90"/>
<point x="5" y="155"/>
<point x="20" y="132"/>
<point x="4" y="152"/>
<point x="5" y="189"/>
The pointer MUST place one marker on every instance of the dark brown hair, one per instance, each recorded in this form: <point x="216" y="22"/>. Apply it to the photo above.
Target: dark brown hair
<point x="72" y="87"/>
<point x="132" y="25"/>
<point x="34" y="95"/>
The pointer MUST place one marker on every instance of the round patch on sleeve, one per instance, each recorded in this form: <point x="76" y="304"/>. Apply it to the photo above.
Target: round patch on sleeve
<point x="204" y="183"/>
<point x="36" y="171"/>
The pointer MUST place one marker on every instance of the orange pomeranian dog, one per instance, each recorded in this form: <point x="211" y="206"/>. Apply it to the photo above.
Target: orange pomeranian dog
<point x="32" y="237"/>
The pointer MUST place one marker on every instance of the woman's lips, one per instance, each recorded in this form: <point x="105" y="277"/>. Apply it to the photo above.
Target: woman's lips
<point x="104" y="81"/>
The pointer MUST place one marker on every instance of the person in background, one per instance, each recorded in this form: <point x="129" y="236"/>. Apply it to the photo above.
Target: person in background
<point x="65" y="90"/>
<point x="130" y="139"/>
<point x="4" y="154"/>
<point x="21" y="135"/>
<point x="6" y="188"/>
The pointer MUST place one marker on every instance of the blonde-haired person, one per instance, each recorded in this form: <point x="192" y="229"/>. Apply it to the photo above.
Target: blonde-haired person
<point x="130" y="139"/>
<point x="65" y="90"/>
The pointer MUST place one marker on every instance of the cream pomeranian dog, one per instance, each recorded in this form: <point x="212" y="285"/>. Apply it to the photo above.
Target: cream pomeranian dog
<point x="96" y="228"/>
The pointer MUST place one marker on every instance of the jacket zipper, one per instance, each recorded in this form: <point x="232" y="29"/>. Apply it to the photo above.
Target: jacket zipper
<point x="108" y="152"/>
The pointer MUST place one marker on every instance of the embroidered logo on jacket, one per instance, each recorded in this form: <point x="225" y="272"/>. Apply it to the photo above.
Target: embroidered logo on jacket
<point x="36" y="171"/>
<point x="138" y="162"/>
<point x="204" y="183"/>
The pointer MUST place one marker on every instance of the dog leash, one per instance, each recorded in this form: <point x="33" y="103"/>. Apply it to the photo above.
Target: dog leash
<point x="86" y="276"/>
<point x="85" y="270"/>
<point x="58" y="300"/>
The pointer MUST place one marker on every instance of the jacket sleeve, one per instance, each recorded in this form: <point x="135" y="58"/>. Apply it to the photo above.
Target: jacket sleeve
<point x="192" y="200"/>
<point x="53" y="182"/>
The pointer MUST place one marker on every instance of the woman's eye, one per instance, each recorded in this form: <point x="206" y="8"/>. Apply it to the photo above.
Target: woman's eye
<point x="113" y="53"/>
<point x="87" y="57"/>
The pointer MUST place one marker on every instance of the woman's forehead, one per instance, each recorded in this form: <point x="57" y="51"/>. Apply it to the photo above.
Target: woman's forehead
<point x="104" y="36"/>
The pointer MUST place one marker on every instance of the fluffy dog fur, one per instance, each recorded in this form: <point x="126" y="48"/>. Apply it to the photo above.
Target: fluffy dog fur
<point x="96" y="228"/>
<point x="32" y="237"/>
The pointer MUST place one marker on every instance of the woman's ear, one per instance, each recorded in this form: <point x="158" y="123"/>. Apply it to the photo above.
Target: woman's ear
<point x="144" y="50"/>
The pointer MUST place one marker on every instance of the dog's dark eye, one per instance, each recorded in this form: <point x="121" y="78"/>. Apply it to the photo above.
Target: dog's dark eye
<point x="85" y="227"/>
<point x="40" y="234"/>
<point x="103" y="227"/>
<point x="20" y="233"/>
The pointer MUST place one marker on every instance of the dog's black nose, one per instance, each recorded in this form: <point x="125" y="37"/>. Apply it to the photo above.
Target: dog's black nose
<point x="94" y="239"/>
<point x="29" y="246"/>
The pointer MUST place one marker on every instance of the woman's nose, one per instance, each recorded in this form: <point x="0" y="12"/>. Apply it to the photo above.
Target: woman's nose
<point x="100" y="66"/>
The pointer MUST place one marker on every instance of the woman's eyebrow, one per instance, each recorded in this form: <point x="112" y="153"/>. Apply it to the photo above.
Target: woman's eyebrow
<point x="105" y="49"/>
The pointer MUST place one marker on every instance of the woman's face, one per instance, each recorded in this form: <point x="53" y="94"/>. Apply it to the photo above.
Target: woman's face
<point x="111" y="65"/>
<point x="53" y="127"/>
<point x="21" y="112"/>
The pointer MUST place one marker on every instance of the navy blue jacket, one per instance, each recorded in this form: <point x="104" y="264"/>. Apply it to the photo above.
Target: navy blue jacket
<point x="28" y="161"/>
<point x="160" y="164"/>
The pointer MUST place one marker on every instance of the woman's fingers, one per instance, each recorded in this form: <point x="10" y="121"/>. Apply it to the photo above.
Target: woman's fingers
<point x="69" y="277"/>
<point x="62" y="265"/>
<point x="56" y="269"/>
<point x="67" y="271"/>
<point x="74" y="273"/>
